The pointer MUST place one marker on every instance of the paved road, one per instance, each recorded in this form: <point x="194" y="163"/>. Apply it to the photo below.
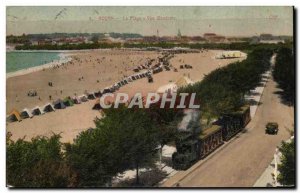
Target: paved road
<point x="241" y="162"/>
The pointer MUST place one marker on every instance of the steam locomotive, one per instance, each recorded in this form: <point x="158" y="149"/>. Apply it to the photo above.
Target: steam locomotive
<point x="192" y="147"/>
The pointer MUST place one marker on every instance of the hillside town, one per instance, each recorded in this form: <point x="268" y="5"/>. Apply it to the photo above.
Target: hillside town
<point x="109" y="38"/>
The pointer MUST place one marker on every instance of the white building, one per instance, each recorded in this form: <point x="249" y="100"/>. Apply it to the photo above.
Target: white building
<point x="230" y="54"/>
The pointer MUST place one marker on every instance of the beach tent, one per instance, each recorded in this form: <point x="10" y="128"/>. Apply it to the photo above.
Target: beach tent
<point x="109" y="89"/>
<point x="125" y="81"/>
<point x="37" y="111"/>
<point x="98" y="94"/>
<point x="106" y="90"/>
<point x="112" y="89"/>
<point x="48" y="108"/>
<point x="97" y="105"/>
<point x="91" y="96"/>
<point x="83" y="98"/>
<point x="116" y="86"/>
<point x="128" y="78"/>
<point x="68" y="102"/>
<point x="59" y="104"/>
<point x="26" y="114"/>
<point x="14" y="116"/>
<point x="76" y="100"/>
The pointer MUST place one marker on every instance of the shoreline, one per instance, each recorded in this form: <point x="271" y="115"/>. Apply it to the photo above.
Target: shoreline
<point x="64" y="57"/>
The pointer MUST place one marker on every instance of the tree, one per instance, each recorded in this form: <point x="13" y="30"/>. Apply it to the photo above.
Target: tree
<point x="37" y="163"/>
<point x="95" y="38"/>
<point x="123" y="139"/>
<point x="284" y="74"/>
<point x="137" y="135"/>
<point x="287" y="166"/>
<point x="166" y="120"/>
<point x="92" y="160"/>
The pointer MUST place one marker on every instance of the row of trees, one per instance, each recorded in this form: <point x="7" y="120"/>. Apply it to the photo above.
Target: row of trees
<point x="124" y="139"/>
<point x="223" y="90"/>
<point x="81" y="46"/>
<point x="223" y="46"/>
<point x="96" y="45"/>
<point x="23" y="39"/>
<point x="71" y="35"/>
<point x="284" y="74"/>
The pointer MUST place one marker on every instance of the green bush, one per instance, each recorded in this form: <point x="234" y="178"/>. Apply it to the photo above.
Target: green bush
<point x="287" y="167"/>
<point x="37" y="163"/>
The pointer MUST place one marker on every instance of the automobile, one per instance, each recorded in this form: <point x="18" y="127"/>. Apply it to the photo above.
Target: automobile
<point x="271" y="128"/>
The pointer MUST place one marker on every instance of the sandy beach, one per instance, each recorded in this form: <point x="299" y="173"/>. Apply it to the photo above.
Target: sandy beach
<point x="91" y="71"/>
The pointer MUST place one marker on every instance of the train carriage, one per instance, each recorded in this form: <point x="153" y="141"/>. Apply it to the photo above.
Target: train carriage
<point x="209" y="140"/>
<point x="234" y="122"/>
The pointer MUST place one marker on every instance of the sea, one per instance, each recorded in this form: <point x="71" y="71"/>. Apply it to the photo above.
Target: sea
<point x="20" y="60"/>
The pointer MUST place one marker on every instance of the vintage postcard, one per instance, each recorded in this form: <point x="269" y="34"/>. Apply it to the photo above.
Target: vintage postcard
<point x="150" y="97"/>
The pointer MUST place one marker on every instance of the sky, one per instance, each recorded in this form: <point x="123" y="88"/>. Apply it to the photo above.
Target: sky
<point x="166" y="21"/>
